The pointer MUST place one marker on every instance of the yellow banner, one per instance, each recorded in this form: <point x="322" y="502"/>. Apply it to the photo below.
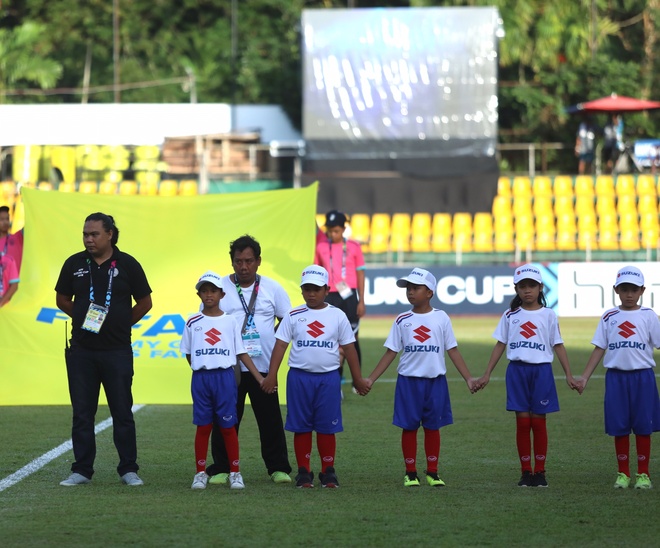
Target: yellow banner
<point x="176" y="240"/>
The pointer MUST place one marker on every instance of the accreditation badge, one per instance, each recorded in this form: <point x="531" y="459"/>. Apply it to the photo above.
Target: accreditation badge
<point x="344" y="291"/>
<point x="94" y="318"/>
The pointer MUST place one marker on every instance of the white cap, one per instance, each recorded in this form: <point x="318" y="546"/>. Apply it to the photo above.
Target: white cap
<point x="210" y="277"/>
<point x="419" y="276"/>
<point x="315" y="275"/>
<point x="527" y="272"/>
<point x="629" y="275"/>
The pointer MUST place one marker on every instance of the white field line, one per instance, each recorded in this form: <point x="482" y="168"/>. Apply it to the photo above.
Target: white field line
<point x="50" y="456"/>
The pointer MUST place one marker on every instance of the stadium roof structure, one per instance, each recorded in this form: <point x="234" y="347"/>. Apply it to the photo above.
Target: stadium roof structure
<point x="137" y="123"/>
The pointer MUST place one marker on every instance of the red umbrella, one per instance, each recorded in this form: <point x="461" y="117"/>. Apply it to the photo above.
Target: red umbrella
<point x="614" y="103"/>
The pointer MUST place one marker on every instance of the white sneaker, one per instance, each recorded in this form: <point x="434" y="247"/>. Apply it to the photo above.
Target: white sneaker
<point x="75" y="479"/>
<point x="200" y="480"/>
<point x="236" y="481"/>
<point x="131" y="478"/>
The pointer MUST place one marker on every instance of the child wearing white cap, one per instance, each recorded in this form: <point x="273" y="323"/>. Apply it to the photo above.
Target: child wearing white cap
<point x="626" y="336"/>
<point x="212" y="344"/>
<point x="529" y="332"/>
<point x="422" y="335"/>
<point x="316" y="330"/>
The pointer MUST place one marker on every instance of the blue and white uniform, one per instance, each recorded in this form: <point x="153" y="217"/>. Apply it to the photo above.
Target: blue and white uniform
<point x="313" y="388"/>
<point x="530" y="337"/>
<point x="213" y="343"/>
<point x="421" y="395"/>
<point x="631" y="392"/>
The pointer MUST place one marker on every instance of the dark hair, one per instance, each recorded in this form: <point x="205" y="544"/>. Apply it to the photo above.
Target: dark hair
<point x="108" y="225"/>
<point x="245" y="241"/>
<point x="516" y="302"/>
<point x="4" y="208"/>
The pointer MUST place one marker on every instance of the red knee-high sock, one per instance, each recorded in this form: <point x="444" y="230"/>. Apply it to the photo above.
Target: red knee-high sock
<point x="409" y="447"/>
<point x="432" y="449"/>
<point x="524" y="442"/>
<point x="202" y="436"/>
<point x="327" y="446"/>
<point x="230" y="437"/>
<point x="622" y="447"/>
<point x="540" y="432"/>
<point x="643" y="453"/>
<point x="302" y="445"/>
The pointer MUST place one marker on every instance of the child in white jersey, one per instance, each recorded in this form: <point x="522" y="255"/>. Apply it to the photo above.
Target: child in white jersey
<point x="529" y="332"/>
<point x="626" y="336"/>
<point x="212" y="343"/>
<point x="422" y="335"/>
<point x="313" y="389"/>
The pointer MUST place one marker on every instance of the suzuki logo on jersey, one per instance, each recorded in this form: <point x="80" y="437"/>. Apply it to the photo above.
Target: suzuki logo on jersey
<point x="627" y="330"/>
<point x="528" y="330"/>
<point x="422" y="333"/>
<point x="315" y="329"/>
<point x="212" y="336"/>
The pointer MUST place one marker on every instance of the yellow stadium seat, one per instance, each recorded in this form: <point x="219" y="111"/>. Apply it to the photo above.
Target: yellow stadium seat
<point x="605" y="185"/>
<point x="128" y="188"/>
<point x="462" y="232"/>
<point x="625" y="185"/>
<point x="66" y="187"/>
<point x="566" y="221"/>
<point x="400" y="232"/>
<point x="113" y="177"/>
<point x="542" y="186"/>
<point x="501" y="205"/>
<point x="650" y="237"/>
<point x="646" y="185"/>
<point x="88" y="187"/>
<point x="545" y="239"/>
<point x="168" y="187"/>
<point x="628" y="221"/>
<point x="647" y="204"/>
<point x="626" y="203"/>
<point x="504" y="187"/>
<point x="149" y="188"/>
<point x="521" y="187"/>
<point x="441" y="233"/>
<point x="542" y="205"/>
<point x="563" y="185"/>
<point x="587" y="237"/>
<point x="584" y="204"/>
<point x="147" y="177"/>
<point x="584" y="185"/>
<point x="648" y="220"/>
<point x="525" y="236"/>
<point x="563" y="204"/>
<point x="380" y="233"/>
<point x="146" y="152"/>
<point x="566" y="240"/>
<point x="608" y="238"/>
<point x="421" y="233"/>
<point x="360" y="223"/>
<point x="188" y="187"/>
<point x="320" y="221"/>
<point x="605" y="204"/>
<point x="522" y="205"/>
<point x="483" y="232"/>
<point x="629" y="239"/>
<point x="107" y="188"/>
<point x="18" y="215"/>
<point x="587" y="221"/>
<point x="504" y="240"/>
<point x="45" y="185"/>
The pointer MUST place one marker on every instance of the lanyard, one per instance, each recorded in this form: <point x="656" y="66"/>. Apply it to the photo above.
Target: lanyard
<point x="4" y="251"/>
<point x="253" y="300"/>
<point x="108" y="293"/>
<point x="343" y="260"/>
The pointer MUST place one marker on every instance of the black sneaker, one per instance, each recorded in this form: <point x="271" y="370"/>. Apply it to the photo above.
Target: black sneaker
<point x="539" y="480"/>
<point x="526" y="480"/>
<point x="304" y="479"/>
<point x="329" y="478"/>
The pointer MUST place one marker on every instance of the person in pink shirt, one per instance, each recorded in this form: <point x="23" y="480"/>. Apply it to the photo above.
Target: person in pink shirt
<point x="8" y="278"/>
<point x="10" y="244"/>
<point x="344" y="261"/>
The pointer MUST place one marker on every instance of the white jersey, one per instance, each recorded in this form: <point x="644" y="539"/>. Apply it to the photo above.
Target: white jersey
<point x="272" y="302"/>
<point x="423" y="340"/>
<point x="316" y="336"/>
<point x="530" y="335"/>
<point x="629" y="337"/>
<point x="212" y="341"/>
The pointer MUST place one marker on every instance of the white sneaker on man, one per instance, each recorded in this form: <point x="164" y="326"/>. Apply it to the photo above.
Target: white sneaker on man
<point x="236" y="481"/>
<point x="200" y="480"/>
<point x="131" y="478"/>
<point x="75" y="479"/>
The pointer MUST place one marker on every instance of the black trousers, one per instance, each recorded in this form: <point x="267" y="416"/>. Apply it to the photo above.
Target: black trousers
<point x="267" y="412"/>
<point x="87" y="370"/>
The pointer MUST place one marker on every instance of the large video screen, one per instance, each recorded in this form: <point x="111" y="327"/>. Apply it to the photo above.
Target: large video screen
<point x="400" y="82"/>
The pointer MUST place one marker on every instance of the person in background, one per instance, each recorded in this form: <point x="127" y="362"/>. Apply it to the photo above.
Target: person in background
<point x="8" y="278"/>
<point x="10" y="244"/>
<point x="344" y="261"/>
<point x="96" y="288"/>
<point x="613" y="142"/>
<point x="626" y="336"/>
<point x="585" y="145"/>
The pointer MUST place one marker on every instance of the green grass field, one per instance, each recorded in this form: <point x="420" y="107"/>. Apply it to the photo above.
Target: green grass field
<point x="481" y="505"/>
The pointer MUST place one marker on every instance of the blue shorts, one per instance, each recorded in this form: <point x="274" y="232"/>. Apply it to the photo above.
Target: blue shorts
<point x="530" y="388"/>
<point x="424" y="401"/>
<point x="631" y="402"/>
<point x="214" y="394"/>
<point x="313" y="402"/>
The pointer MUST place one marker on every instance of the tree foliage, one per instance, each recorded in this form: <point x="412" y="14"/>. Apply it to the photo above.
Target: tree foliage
<point x="553" y="54"/>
